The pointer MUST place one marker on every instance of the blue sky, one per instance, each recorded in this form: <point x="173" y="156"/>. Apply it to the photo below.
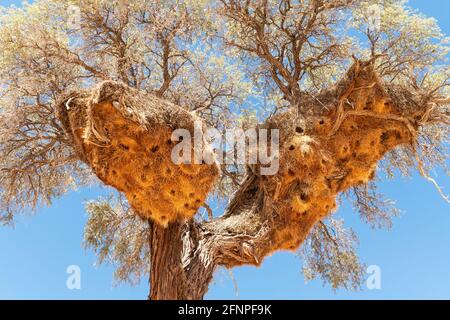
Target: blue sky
<point x="413" y="257"/>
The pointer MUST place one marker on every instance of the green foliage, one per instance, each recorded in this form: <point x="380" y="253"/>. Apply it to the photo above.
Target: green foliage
<point x="329" y="253"/>
<point x="373" y="208"/>
<point x="119" y="237"/>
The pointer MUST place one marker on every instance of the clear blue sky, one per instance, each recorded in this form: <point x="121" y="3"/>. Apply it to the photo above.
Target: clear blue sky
<point x="414" y="257"/>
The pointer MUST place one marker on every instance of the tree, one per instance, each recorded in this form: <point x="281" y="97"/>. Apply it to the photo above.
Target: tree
<point x="91" y="92"/>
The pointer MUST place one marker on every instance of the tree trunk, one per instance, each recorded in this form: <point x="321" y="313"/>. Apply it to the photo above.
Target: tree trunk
<point x="177" y="273"/>
<point x="166" y="274"/>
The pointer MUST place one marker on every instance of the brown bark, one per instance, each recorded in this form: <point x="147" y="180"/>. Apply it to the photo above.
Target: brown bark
<point x="166" y="263"/>
<point x="173" y="275"/>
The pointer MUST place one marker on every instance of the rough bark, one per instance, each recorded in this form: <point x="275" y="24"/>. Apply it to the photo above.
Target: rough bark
<point x="173" y="277"/>
<point x="166" y="273"/>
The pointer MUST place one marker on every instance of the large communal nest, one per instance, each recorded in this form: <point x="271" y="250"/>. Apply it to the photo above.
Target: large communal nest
<point x="126" y="138"/>
<point x="333" y="148"/>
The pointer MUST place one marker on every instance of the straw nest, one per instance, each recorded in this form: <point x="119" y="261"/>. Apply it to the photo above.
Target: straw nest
<point x="330" y="143"/>
<point x="126" y="138"/>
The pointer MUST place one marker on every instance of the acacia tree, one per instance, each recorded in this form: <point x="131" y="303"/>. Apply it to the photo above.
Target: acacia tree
<point x="92" y="90"/>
